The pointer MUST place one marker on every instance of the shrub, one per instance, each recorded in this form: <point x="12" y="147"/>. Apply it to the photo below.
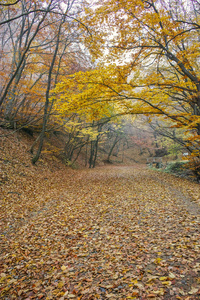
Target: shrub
<point x="177" y="167"/>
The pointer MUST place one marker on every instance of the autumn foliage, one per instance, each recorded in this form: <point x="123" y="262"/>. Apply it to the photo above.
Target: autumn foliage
<point x="113" y="84"/>
<point x="85" y="64"/>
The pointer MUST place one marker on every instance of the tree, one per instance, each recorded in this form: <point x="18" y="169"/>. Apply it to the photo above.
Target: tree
<point x="9" y="3"/>
<point x="153" y="47"/>
<point x="38" y="46"/>
<point x="20" y="36"/>
<point x="86" y="118"/>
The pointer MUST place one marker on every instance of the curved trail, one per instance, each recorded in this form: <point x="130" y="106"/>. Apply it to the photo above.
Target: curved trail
<point x="109" y="233"/>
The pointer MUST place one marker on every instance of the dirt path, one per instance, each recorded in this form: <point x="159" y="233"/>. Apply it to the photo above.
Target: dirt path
<point x="107" y="233"/>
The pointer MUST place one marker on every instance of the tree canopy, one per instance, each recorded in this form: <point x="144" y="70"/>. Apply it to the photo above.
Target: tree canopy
<point x="100" y="60"/>
<point x="148" y="54"/>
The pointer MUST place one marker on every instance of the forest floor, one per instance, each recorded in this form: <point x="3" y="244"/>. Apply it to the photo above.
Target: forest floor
<point x="115" y="232"/>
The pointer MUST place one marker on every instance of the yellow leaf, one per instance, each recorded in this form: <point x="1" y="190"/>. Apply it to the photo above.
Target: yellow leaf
<point x="166" y="282"/>
<point x="158" y="260"/>
<point x="151" y="278"/>
<point x="171" y="276"/>
<point x="193" y="291"/>
<point x="159" y="292"/>
<point x="60" y="284"/>
<point x="134" y="281"/>
<point x="163" y="278"/>
<point x="63" y="268"/>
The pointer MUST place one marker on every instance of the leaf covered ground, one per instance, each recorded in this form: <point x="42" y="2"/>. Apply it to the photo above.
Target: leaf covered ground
<point x="117" y="232"/>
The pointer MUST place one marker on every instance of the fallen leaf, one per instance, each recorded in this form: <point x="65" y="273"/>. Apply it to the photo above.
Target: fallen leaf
<point x="63" y="268"/>
<point x="193" y="291"/>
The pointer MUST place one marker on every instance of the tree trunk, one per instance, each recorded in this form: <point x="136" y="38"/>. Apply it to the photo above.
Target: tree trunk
<point x="46" y="114"/>
<point x="112" y="148"/>
<point x="95" y="151"/>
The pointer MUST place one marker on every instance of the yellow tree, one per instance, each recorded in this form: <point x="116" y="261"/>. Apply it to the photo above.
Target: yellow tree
<point x="86" y="108"/>
<point x="9" y="3"/>
<point x="40" y="41"/>
<point x="155" y="45"/>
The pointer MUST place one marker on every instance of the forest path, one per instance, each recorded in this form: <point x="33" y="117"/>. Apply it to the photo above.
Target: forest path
<point x="107" y="233"/>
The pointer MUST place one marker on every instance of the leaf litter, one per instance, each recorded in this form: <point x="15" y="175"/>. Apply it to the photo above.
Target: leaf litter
<point x="117" y="232"/>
